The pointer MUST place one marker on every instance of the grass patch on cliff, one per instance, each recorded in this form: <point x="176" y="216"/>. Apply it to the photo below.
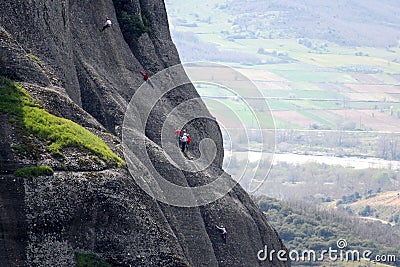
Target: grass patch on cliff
<point x="34" y="58"/>
<point x="90" y="260"/>
<point x="35" y="171"/>
<point x="58" y="132"/>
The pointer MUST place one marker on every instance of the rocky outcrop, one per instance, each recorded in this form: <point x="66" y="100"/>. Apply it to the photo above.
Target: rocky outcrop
<point x="57" y="53"/>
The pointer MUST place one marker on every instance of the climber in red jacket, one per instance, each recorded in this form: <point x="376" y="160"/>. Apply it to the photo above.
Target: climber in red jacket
<point x="146" y="78"/>
<point x="145" y="75"/>
<point x="188" y="142"/>
<point x="178" y="137"/>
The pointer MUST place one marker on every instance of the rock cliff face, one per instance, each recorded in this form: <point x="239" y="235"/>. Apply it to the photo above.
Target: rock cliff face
<point x="90" y="209"/>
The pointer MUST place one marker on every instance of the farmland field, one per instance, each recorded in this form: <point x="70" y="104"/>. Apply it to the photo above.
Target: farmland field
<point x="308" y="83"/>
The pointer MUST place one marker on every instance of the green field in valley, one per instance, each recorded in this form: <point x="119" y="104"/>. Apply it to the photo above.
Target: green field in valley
<point x="320" y="70"/>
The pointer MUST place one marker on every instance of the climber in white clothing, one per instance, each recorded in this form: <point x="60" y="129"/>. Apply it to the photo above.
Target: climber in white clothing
<point x="223" y="231"/>
<point x="107" y="24"/>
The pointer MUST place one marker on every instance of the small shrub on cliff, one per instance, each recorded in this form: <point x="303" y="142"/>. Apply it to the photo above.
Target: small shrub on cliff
<point x="131" y="25"/>
<point x="35" y="171"/>
<point x="90" y="260"/>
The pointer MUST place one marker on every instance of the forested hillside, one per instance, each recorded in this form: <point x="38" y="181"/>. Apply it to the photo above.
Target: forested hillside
<point x="303" y="227"/>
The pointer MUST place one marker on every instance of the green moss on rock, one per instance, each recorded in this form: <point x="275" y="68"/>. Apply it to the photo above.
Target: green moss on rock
<point x="34" y="58"/>
<point x="58" y="132"/>
<point x="29" y="172"/>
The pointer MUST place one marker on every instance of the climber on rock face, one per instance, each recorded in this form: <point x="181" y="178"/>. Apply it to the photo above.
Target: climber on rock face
<point x="178" y="137"/>
<point x="223" y="231"/>
<point x="183" y="142"/>
<point x="146" y="78"/>
<point x="182" y="132"/>
<point x="145" y="75"/>
<point x="107" y="24"/>
<point x="188" y="142"/>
